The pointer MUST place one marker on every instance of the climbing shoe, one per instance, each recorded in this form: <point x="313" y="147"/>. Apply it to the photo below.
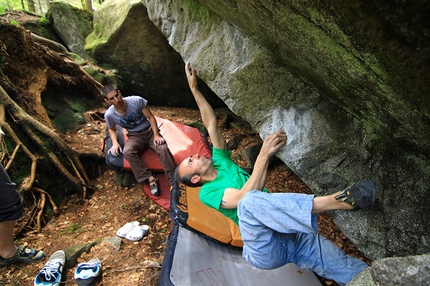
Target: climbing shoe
<point x="360" y="195"/>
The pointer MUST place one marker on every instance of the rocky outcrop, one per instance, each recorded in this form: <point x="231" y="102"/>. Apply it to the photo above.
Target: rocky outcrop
<point x="125" y="39"/>
<point x="413" y="270"/>
<point x="351" y="106"/>
<point x="72" y="25"/>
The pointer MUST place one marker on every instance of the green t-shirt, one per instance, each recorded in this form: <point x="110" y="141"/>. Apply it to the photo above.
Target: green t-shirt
<point x="229" y="175"/>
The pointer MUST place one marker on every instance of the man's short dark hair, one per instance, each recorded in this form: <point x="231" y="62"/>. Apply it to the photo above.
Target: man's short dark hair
<point x="186" y="179"/>
<point x="108" y="89"/>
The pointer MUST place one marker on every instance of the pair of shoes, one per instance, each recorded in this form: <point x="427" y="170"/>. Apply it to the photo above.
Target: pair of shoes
<point x="51" y="272"/>
<point x="87" y="273"/>
<point x="360" y="195"/>
<point x="23" y="254"/>
<point x="126" y="228"/>
<point x="153" y="186"/>
<point x="132" y="231"/>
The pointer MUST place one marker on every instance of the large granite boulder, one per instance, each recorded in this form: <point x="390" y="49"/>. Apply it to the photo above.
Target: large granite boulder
<point x="353" y="103"/>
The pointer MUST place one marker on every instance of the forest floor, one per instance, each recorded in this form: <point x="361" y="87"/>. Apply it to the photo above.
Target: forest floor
<point x="98" y="217"/>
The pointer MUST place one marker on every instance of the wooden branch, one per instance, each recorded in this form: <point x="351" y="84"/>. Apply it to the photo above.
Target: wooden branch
<point x="41" y="206"/>
<point x="80" y="167"/>
<point x="84" y="195"/>
<point x="51" y="201"/>
<point x="51" y="44"/>
<point x="28" y="183"/>
<point x="30" y="218"/>
<point x="12" y="156"/>
<point x="52" y="157"/>
<point x="40" y="213"/>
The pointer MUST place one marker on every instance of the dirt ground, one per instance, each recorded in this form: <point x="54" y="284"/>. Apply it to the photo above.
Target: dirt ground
<point x="98" y="218"/>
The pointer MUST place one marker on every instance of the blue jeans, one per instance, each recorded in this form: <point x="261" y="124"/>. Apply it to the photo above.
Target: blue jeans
<point x="279" y="228"/>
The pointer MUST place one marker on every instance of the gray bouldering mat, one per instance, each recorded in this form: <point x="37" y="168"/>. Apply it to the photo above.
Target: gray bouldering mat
<point x="199" y="261"/>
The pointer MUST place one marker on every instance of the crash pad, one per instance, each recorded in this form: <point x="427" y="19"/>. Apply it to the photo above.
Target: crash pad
<point x="192" y="259"/>
<point x="183" y="141"/>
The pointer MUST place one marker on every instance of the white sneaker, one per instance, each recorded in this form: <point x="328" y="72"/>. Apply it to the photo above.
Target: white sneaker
<point x="87" y="273"/>
<point x="126" y="228"/>
<point x="51" y="273"/>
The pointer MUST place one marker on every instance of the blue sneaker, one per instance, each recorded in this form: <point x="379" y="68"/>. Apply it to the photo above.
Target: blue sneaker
<point x="23" y="254"/>
<point x="51" y="272"/>
<point x="87" y="273"/>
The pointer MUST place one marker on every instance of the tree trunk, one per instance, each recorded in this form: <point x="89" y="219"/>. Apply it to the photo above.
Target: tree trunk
<point x="89" y="5"/>
<point x="31" y="6"/>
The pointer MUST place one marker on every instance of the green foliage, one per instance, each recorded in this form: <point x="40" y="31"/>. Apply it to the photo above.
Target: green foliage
<point x="10" y="5"/>
<point x="197" y="9"/>
<point x="14" y="22"/>
<point x="44" y="20"/>
<point x="74" y="227"/>
<point x="18" y="5"/>
<point x="3" y="8"/>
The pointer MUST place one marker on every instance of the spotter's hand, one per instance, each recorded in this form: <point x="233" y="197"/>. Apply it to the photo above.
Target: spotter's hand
<point x="115" y="150"/>
<point x="159" y="140"/>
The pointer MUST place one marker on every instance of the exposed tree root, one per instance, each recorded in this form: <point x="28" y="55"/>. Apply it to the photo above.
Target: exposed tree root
<point x="28" y="183"/>
<point x="26" y="68"/>
<point x="51" y="44"/>
<point x="43" y="196"/>
<point x="29" y="124"/>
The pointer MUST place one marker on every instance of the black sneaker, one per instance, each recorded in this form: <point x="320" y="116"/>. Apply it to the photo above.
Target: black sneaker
<point x="23" y="254"/>
<point x="360" y="195"/>
<point x="51" y="272"/>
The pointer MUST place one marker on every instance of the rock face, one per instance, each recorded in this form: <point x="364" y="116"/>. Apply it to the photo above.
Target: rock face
<point x="126" y="40"/>
<point x="72" y="25"/>
<point x="344" y="86"/>
<point x="413" y="270"/>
